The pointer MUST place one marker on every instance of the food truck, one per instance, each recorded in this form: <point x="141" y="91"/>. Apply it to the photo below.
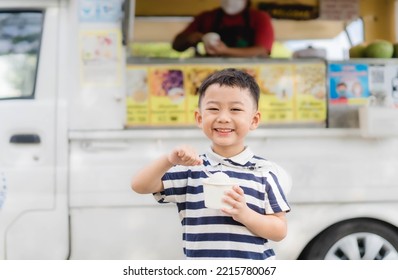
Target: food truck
<point x="82" y="109"/>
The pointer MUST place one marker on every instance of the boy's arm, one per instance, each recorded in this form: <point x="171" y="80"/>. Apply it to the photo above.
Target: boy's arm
<point x="149" y="179"/>
<point x="272" y="226"/>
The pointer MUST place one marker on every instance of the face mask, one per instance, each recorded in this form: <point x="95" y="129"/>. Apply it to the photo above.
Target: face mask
<point x="233" y="7"/>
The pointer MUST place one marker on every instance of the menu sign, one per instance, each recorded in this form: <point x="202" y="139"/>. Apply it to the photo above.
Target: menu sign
<point x="137" y="95"/>
<point x="310" y="92"/>
<point x="167" y="95"/>
<point x="194" y="76"/>
<point x="339" y="9"/>
<point x="276" y="85"/>
<point x="293" y="9"/>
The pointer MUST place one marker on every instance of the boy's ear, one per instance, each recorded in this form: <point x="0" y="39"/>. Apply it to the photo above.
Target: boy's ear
<point x="255" y="120"/>
<point x="198" y="118"/>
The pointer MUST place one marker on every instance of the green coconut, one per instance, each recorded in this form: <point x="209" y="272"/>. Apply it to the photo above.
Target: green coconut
<point x="379" y="49"/>
<point x="395" y="53"/>
<point x="357" y="51"/>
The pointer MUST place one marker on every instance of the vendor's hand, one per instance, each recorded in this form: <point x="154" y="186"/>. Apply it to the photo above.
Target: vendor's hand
<point x="236" y="199"/>
<point x="194" y="38"/>
<point x="219" y="49"/>
<point x="184" y="155"/>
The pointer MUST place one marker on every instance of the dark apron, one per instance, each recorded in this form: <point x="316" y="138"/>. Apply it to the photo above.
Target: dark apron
<point x="235" y="36"/>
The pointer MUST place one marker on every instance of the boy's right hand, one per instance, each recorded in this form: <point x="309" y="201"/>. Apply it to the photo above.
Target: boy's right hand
<point x="184" y="155"/>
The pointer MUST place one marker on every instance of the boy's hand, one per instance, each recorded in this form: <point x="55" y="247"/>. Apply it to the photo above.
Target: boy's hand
<point x="184" y="155"/>
<point x="236" y="198"/>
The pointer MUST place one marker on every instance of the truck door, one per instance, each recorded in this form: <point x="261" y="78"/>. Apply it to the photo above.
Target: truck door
<point x="33" y="212"/>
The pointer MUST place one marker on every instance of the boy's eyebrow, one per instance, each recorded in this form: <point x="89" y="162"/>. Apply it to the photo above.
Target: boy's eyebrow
<point x="210" y="102"/>
<point x="218" y="102"/>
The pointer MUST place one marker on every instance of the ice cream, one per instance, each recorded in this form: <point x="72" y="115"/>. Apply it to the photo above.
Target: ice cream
<point x="218" y="178"/>
<point x="214" y="187"/>
<point x="211" y="39"/>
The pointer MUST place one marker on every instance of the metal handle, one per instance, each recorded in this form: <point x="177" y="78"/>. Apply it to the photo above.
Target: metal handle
<point x="25" y="139"/>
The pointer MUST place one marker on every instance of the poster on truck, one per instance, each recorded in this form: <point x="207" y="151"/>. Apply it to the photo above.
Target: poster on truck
<point x="168" y="100"/>
<point x="348" y="83"/>
<point x="194" y="76"/>
<point x="311" y="103"/>
<point x="100" y="58"/>
<point x="276" y="83"/>
<point x="137" y="96"/>
<point x="392" y="86"/>
<point x="167" y="95"/>
<point x="100" y="10"/>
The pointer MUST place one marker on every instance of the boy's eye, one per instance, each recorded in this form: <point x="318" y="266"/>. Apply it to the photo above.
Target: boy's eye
<point x="237" y="109"/>
<point x="212" y="109"/>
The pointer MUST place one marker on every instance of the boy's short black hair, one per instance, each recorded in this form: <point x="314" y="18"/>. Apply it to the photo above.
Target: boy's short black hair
<point x="231" y="77"/>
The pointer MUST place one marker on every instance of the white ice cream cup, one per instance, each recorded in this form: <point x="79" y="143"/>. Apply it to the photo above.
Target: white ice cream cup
<point x="211" y="39"/>
<point x="214" y="191"/>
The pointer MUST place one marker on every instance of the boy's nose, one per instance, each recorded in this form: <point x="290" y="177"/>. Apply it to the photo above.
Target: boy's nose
<point x="223" y="116"/>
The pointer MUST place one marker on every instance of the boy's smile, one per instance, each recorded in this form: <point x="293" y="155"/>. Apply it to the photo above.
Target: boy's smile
<point x="226" y="115"/>
<point x="223" y="131"/>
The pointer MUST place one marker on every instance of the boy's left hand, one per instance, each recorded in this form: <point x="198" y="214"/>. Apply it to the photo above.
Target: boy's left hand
<point x="236" y="198"/>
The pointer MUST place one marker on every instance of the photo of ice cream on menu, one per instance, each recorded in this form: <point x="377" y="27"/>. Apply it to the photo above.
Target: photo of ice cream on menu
<point x="168" y="97"/>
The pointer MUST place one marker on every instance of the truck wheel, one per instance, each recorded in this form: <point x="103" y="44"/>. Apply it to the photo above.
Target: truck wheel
<point x="361" y="239"/>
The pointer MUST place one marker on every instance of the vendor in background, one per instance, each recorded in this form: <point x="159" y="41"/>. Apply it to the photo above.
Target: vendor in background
<point x="233" y="30"/>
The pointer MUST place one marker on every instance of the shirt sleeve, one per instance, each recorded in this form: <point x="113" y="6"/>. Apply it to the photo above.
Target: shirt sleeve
<point x="276" y="198"/>
<point x="200" y="23"/>
<point x="264" y="30"/>
<point x="175" y="184"/>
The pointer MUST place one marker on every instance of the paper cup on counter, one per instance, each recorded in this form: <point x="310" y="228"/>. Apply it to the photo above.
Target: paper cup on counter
<point x="214" y="189"/>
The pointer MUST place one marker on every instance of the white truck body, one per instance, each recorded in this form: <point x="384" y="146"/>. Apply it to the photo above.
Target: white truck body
<point x="68" y="195"/>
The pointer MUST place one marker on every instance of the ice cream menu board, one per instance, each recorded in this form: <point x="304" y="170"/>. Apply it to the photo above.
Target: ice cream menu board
<point x="194" y="75"/>
<point x="155" y="96"/>
<point x="293" y="93"/>
<point x="167" y="103"/>
<point x="310" y="91"/>
<point x="167" y="95"/>
<point x="137" y="96"/>
<point x="276" y="83"/>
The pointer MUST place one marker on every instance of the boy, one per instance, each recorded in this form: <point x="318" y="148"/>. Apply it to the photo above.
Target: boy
<point x="228" y="110"/>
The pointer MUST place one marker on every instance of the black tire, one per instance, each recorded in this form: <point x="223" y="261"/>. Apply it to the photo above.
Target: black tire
<point x="366" y="238"/>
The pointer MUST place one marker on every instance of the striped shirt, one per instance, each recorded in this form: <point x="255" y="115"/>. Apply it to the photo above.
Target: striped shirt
<point x="209" y="233"/>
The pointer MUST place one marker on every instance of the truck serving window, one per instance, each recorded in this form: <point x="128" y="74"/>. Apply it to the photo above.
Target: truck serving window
<point x="20" y="35"/>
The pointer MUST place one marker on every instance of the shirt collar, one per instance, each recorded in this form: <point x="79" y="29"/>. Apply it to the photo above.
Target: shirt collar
<point x="240" y="160"/>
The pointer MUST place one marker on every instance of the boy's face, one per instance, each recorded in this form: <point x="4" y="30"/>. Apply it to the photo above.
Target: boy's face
<point x="226" y="115"/>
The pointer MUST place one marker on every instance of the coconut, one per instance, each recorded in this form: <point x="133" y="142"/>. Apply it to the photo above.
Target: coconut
<point x="395" y="54"/>
<point x="379" y="49"/>
<point x="357" y="51"/>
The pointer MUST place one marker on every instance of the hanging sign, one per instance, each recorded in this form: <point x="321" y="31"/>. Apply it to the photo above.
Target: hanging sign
<point x="291" y="9"/>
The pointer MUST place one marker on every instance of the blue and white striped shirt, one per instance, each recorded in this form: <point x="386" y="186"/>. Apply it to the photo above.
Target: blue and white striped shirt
<point x="209" y="233"/>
